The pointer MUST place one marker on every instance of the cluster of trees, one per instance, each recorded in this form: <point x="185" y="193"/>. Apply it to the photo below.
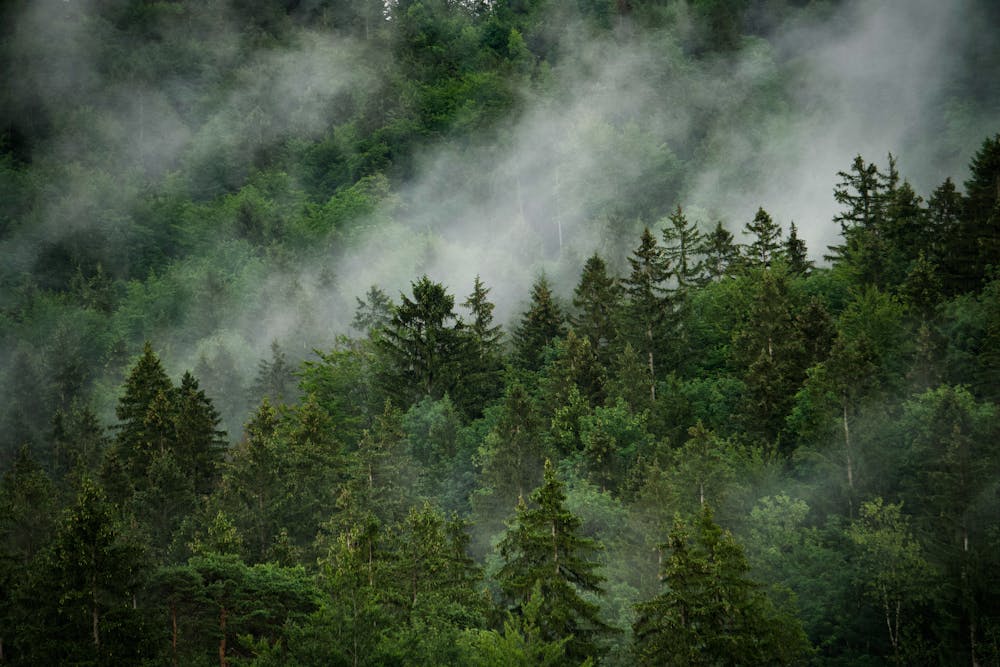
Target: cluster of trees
<point x="707" y="449"/>
<point x="440" y="490"/>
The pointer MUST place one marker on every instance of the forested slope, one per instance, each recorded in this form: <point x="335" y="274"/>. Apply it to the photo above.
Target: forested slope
<point x="499" y="333"/>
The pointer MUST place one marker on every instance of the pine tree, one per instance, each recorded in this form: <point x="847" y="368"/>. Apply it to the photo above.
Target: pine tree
<point x="483" y="357"/>
<point x="597" y="300"/>
<point x="796" y="253"/>
<point x="200" y="445"/>
<point x="682" y="242"/>
<point x="544" y="547"/>
<point x="421" y="344"/>
<point x="85" y="587"/>
<point x="139" y="430"/>
<point x="765" y="247"/>
<point x="646" y="302"/>
<point x="720" y="252"/>
<point x="374" y="313"/>
<point x="275" y="379"/>
<point x="711" y="612"/>
<point x="540" y="325"/>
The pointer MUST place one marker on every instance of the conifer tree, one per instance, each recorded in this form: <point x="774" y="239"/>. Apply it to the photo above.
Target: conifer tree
<point x="421" y="344"/>
<point x="139" y="430"/>
<point x="275" y="379"/>
<point x="199" y="443"/>
<point x="596" y="300"/>
<point x="719" y="251"/>
<point x="544" y="547"/>
<point x="682" y="242"/>
<point x="711" y="612"/>
<point x="482" y="360"/>
<point x="646" y="302"/>
<point x="765" y="246"/>
<point x="374" y="313"/>
<point x="796" y="254"/>
<point x="540" y="325"/>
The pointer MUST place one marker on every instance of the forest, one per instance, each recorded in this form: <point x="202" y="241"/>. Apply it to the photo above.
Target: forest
<point x="499" y="332"/>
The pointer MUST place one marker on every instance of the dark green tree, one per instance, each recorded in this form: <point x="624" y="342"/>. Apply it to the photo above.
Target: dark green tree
<point x="143" y="413"/>
<point x="482" y="363"/>
<point x="647" y="304"/>
<point x="765" y="245"/>
<point x="719" y="251"/>
<point x="541" y="324"/>
<point x="275" y="379"/>
<point x="421" y="344"/>
<point x="596" y="299"/>
<point x="199" y="444"/>
<point x="796" y="253"/>
<point x="84" y="588"/>
<point x="544" y="548"/>
<point x="711" y="612"/>
<point x="682" y="243"/>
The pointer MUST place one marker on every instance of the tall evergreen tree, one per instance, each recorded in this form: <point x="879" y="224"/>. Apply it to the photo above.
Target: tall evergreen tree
<point x="200" y="445"/>
<point x="544" y="547"/>
<point x="482" y="360"/>
<point x="540" y="325"/>
<point x="646" y="302"/>
<point x="719" y="251"/>
<point x="596" y="300"/>
<point x="711" y="612"/>
<point x="421" y="344"/>
<point x="765" y="246"/>
<point x="796" y="253"/>
<point x="682" y="242"/>
<point x="139" y="430"/>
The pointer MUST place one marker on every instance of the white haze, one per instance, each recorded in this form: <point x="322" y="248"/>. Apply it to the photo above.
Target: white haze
<point x="613" y="120"/>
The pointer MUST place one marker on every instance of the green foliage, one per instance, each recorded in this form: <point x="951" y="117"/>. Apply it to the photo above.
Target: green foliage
<point x="543" y="548"/>
<point x="711" y="612"/>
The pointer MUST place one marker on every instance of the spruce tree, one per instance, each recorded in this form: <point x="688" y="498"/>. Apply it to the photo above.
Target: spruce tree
<point x="544" y="548"/>
<point x="200" y="445"/>
<point x="139" y="430"/>
<point x="597" y="300"/>
<point x="796" y="253"/>
<point x="711" y="612"/>
<point x="765" y="246"/>
<point x="421" y="344"/>
<point x="646" y="302"/>
<point x="720" y="252"/>
<point x="482" y="356"/>
<point x="540" y="325"/>
<point x="682" y="242"/>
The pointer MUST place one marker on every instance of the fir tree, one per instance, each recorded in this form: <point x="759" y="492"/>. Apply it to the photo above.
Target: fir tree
<point x="200" y="444"/>
<point x="540" y="325"/>
<point x="646" y="302"/>
<point x="544" y="547"/>
<point x="596" y="300"/>
<point x="139" y="431"/>
<point x="796" y="254"/>
<point x="682" y="242"/>
<point x="711" y="612"/>
<point x="720" y="252"/>
<point x="765" y="246"/>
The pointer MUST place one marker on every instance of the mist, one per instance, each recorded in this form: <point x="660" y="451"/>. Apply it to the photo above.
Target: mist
<point x="618" y="130"/>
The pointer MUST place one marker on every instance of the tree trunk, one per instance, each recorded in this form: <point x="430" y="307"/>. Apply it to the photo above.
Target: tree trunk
<point x="850" y="462"/>
<point x="555" y="548"/>
<point x="223" y="660"/>
<point x="173" y="637"/>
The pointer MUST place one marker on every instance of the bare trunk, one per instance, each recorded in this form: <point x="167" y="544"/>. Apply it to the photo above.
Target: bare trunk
<point x="850" y="462"/>
<point x="173" y="637"/>
<point x="223" y="660"/>
<point x="555" y="548"/>
<point x="701" y="493"/>
<point x="94" y="616"/>
<point x="652" y="375"/>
